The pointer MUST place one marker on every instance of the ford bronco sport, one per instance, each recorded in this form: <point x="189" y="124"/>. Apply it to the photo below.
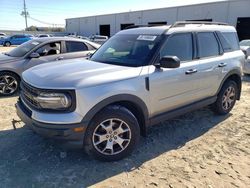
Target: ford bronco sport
<point x="139" y="77"/>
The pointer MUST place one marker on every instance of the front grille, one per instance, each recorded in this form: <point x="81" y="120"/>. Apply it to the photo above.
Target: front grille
<point x="29" y="94"/>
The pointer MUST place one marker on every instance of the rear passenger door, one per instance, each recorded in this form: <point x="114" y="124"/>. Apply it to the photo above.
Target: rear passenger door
<point x="76" y="49"/>
<point x="174" y="88"/>
<point x="211" y="63"/>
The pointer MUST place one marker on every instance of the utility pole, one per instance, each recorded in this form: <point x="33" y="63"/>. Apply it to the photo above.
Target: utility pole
<point x="25" y="13"/>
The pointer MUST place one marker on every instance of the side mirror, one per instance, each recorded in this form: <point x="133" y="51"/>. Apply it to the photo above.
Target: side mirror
<point x="246" y="53"/>
<point x="170" y="62"/>
<point x="34" y="55"/>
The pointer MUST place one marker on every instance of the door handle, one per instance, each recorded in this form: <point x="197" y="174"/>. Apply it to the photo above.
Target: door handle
<point x="222" y="65"/>
<point x="191" y="71"/>
<point x="59" y="58"/>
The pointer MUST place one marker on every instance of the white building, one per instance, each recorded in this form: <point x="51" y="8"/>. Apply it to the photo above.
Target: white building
<point x="234" y="12"/>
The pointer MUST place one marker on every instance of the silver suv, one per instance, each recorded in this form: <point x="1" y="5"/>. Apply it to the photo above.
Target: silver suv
<point x="139" y="77"/>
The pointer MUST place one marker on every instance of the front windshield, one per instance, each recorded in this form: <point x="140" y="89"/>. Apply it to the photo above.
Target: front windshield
<point x="23" y="49"/>
<point x="245" y="43"/>
<point x="127" y="50"/>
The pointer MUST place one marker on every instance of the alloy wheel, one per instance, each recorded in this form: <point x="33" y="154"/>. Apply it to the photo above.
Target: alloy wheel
<point x="111" y="137"/>
<point x="8" y="85"/>
<point x="228" y="98"/>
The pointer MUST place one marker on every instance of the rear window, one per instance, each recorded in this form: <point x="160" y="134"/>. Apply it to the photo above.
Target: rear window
<point x="208" y="45"/>
<point x="229" y="41"/>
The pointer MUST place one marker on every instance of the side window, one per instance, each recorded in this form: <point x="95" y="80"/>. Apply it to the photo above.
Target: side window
<point x="180" y="45"/>
<point x="207" y="44"/>
<point x="225" y="44"/>
<point x="90" y="47"/>
<point x="53" y="48"/>
<point x="20" y="36"/>
<point x="72" y="46"/>
<point x="232" y="39"/>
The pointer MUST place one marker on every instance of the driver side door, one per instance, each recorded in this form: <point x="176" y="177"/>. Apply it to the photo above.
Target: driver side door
<point x="48" y="52"/>
<point x="171" y="88"/>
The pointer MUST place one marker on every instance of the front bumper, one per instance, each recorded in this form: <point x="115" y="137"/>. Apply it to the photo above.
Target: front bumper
<point x="70" y="132"/>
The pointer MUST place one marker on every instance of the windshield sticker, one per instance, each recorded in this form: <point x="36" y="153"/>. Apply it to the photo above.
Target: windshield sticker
<point x="147" y="37"/>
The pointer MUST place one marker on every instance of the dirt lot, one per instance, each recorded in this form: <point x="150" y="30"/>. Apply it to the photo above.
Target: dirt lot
<point x="198" y="149"/>
<point x="5" y="49"/>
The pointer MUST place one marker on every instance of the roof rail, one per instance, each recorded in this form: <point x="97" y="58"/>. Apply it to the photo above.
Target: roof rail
<point x="149" y="25"/>
<point x="183" y="23"/>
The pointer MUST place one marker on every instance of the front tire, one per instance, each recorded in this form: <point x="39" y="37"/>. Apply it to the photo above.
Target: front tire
<point x="112" y="134"/>
<point x="7" y="44"/>
<point x="9" y="83"/>
<point x="226" y="98"/>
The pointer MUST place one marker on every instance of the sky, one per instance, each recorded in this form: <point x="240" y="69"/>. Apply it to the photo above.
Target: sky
<point x="49" y="12"/>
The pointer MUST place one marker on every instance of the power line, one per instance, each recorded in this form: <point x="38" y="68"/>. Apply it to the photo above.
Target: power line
<point x="46" y="23"/>
<point x="26" y="15"/>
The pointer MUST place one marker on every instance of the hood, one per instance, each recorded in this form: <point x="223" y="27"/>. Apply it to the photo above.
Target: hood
<point x="6" y="59"/>
<point x="77" y="73"/>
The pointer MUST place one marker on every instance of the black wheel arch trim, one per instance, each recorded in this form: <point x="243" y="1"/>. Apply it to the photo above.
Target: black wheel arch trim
<point x="229" y="74"/>
<point x="116" y="99"/>
<point x="12" y="72"/>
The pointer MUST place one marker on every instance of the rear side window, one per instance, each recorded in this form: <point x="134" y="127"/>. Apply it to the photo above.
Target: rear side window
<point x="20" y="36"/>
<point x="90" y="47"/>
<point x="225" y="44"/>
<point x="72" y="46"/>
<point x="207" y="44"/>
<point x="231" y="39"/>
<point x="180" y="45"/>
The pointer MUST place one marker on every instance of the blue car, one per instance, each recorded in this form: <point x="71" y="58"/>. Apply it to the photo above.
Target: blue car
<point x="16" y="39"/>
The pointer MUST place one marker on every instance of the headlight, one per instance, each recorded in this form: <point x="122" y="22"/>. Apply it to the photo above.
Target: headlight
<point x="54" y="101"/>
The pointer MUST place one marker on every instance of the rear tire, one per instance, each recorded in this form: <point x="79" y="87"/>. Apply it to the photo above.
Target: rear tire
<point x="112" y="134"/>
<point x="226" y="98"/>
<point x="9" y="83"/>
<point x="7" y="44"/>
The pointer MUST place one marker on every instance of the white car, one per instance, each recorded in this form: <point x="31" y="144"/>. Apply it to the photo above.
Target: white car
<point x="245" y="47"/>
<point x="100" y="39"/>
<point x="2" y="35"/>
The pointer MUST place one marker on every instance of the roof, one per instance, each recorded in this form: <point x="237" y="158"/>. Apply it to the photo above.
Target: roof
<point x="45" y="39"/>
<point x="157" y="30"/>
<point x="180" y="27"/>
<point x="54" y="39"/>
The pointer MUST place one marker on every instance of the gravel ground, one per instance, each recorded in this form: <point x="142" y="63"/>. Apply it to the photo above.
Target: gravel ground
<point x="198" y="149"/>
<point x="5" y="49"/>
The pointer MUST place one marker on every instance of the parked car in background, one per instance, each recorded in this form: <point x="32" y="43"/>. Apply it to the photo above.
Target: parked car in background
<point x="245" y="43"/>
<point x="100" y="39"/>
<point x="79" y="37"/>
<point x="245" y="47"/>
<point x="43" y="35"/>
<point x="16" y="39"/>
<point x="139" y="77"/>
<point x="2" y="35"/>
<point x="82" y="37"/>
<point x="36" y="52"/>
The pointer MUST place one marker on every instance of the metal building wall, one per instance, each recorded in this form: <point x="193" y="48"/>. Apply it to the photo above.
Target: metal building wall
<point x="227" y="11"/>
